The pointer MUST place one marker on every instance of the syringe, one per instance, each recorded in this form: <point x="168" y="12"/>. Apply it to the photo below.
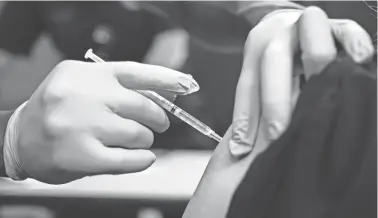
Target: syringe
<point x="169" y="106"/>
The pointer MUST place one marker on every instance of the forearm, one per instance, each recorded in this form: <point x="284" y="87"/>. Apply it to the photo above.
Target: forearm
<point x="224" y="172"/>
<point x="220" y="180"/>
<point x="4" y="117"/>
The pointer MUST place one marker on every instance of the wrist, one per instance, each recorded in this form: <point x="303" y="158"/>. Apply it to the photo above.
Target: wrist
<point x="12" y="164"/>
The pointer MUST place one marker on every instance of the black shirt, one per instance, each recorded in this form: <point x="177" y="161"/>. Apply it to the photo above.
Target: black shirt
<point x="325" y="164"/>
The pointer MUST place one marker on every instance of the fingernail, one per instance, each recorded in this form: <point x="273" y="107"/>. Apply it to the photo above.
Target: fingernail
<point x="275" y="129"/>
<point x="167" y="122"/>
<point x="194" y="87"/>
<point x="239" y="151"/>
<point x="189" y="84"/>
<point x="361" y="56"/>
<point x="361" y="52"/>
<point x="242" y="138"/>
<point x="154" y="158"/>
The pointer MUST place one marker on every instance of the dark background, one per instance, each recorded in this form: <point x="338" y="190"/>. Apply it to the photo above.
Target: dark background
<point x="36" y="36"/>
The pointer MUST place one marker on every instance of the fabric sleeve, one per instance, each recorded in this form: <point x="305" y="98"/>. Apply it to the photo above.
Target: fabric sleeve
<point x="324" y="165"/>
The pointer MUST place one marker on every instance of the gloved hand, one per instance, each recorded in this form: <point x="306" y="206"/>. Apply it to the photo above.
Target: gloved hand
<point x="269" y="84"/>
<point x="266" y="94"/>
<point x="84" y="120"/>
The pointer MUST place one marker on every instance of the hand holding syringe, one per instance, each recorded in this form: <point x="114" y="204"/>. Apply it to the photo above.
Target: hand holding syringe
<point x="169" y="106"/>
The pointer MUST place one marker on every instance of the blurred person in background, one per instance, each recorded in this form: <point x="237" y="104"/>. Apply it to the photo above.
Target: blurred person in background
<point x="212" y="53"/>
<point x="217" y="32"/>
<point x="128" y="31"/>
<point x="324" y="165"/>
<point x="115" y="30"/>
<point x="215" y="58"/>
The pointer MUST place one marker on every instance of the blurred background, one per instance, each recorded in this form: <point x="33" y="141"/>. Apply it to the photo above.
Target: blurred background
<point x="204" y="39"/>
<point x="35" y="36"/>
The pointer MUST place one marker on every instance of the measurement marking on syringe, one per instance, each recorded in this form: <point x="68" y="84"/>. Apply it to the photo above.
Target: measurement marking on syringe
<point x="173" y="109"/>
<point x="169" y="106"/>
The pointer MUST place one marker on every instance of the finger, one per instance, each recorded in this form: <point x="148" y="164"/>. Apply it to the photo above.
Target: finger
<point x="354" y="39"/>
<point x="276" y="80"/>
<point x="247" y="111"/>
<point x="134" y="75"/>
<point x="316" y="40"/>
<point x="132" y="105"/>
<point x="115" y="131"/>
<point x="170" y="96"/>
<point x="107" y="160"/>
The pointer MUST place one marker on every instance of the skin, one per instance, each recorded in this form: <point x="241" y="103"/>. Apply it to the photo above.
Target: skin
<point x="267" y="100"/>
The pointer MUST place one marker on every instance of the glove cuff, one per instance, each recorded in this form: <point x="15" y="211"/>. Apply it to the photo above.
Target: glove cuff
<point x="12" y="163"/>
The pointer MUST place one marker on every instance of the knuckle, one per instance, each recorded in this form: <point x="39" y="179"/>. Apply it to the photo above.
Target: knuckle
<point x="314" y="10"/>
<point x="66" y="64"/>
<point x="132" y="63"/>
<point x="129" y="65"/>
<point x="55" y="124"/>
<point x="319" y="55"/>
<point x="351" y="24"/>
<point x="53" y="93"/>
<point x="59" y="85"/>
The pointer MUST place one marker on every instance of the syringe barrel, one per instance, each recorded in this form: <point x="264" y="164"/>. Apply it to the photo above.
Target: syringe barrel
<point x="178" y="112"/>
<point x="162" y="102"/>
<point x="189" y="119"/>
<point x="169" y="106"/>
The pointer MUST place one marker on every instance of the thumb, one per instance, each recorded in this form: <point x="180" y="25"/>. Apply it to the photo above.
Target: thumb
<point x="354" y="39"/>
<point x="134" y="75"/>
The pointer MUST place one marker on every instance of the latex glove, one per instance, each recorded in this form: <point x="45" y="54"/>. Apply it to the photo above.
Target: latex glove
<point x="267" y="68"/>
<point x="268" y="88"/>
<point x="225" y="170"/>
<point x="84" y="120"/>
